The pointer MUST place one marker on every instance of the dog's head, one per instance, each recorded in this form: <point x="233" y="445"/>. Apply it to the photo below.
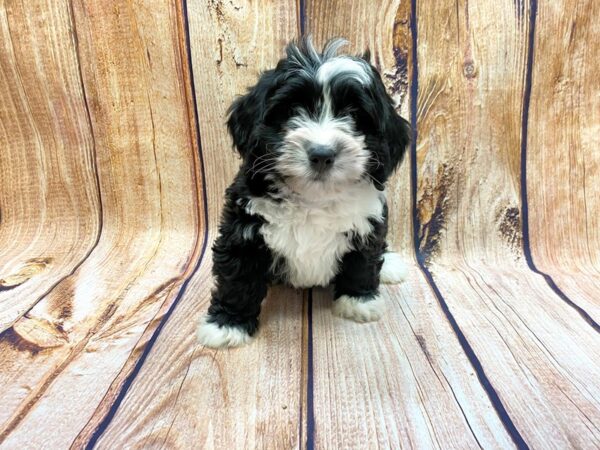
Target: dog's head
<point x="318" y="122"/>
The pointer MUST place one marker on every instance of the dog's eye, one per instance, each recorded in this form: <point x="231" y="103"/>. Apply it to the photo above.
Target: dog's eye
<point x="288" y="100"/>
<point x="361" y="118"/>
<point x="351" y="99"/>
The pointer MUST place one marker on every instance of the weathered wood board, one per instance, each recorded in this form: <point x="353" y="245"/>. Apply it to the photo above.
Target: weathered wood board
<point x="241" y="398"/>
<point x="49" y="199"/>
<point x="71" y="351"/>
<point x="563" y="166"/>
<point x="393" y="384"/>
<point x="540" y="357"/>
<point x="468" y="120"/>
<point x="562" y="153"/>
<point x="113" y="162"/>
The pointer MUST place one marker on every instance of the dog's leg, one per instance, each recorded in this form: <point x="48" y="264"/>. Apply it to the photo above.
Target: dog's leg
<point x="357" y="287"/>
<point x="240" y="273"/>
<point x="232" y="317"/>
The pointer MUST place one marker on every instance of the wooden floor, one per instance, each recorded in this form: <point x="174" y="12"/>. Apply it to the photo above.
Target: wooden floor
<point x="113" y="163"/>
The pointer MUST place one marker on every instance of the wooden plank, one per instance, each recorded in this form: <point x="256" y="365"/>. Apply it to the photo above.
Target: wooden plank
<point x="50" y="211"/>
<point x="247" y="397"/>
<point x="71" y="353"/>
<point x="241" y="398"/>
<point x="541" y="357"/>
<point x="392" y="384"/>
<point x="563" y="163"/>
<point x="471" y="79"/>
<point x="534" y="349"/>
<point x="402" y="382"/>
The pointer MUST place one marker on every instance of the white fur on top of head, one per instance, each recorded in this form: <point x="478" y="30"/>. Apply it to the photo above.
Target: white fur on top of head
<point x="343" y="65"/>
<point x="305" y="53"/>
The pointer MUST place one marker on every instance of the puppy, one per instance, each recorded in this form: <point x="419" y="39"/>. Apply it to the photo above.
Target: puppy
<point x="319" y="137"/>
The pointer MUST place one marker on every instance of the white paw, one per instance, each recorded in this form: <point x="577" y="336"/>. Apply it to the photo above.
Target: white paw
<point x="358" y="309"/>
<point x="394" y="270"/>
<point x="215" y="336"/>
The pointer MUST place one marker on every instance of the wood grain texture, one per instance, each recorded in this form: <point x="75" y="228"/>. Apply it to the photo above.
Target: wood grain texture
<point x="49" y="200"/>
<point x="563" y="159"/>
<point x="540" y="356"/>
<point x="74" y="348"/>
<point x="469" y="125"/>
<point x="534" y="349"/>
<point x="403" y="382"/>
<point x="108" y="211"/>
<point x="563" y="162"/>
<point x="242" y="398"/>
<point x="468" y="208"/>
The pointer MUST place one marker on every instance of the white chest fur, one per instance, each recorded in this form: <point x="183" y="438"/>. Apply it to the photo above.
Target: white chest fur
<point x="312" y="235"/>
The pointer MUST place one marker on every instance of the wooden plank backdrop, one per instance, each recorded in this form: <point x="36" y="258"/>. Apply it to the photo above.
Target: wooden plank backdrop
<point x="50" y="204"/>
<point x="255" y="392"/>
<point x="113" y="162"/>
<point x="70" y="349"/>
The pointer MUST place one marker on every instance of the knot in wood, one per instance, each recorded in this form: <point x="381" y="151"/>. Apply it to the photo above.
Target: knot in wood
<point x="469" y="69"/>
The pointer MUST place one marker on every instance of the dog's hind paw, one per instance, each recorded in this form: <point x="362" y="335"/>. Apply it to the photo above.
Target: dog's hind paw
<point x="358" y="309"/>
<point x="394" y="269"/>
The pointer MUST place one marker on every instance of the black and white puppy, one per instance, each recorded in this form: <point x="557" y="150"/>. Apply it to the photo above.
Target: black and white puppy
<point x="319" y="137"/>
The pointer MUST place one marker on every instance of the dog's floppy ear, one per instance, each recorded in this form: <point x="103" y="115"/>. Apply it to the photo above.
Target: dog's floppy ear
<point x="398" y="133"/>
<point x="396" y="137"/>
<point x="246" y="115"/>
<point x="395" y="131"/>
<point x="367" y="55"/>
<point x="243" y="114"/>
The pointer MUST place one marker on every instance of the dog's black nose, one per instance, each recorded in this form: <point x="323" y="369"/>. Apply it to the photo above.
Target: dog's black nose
<point x="321" y="157"/>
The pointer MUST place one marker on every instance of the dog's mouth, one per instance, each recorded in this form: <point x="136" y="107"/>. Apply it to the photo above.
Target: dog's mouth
<point x="321" y="179"/>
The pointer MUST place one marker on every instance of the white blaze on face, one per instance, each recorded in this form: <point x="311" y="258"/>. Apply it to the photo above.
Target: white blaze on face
<point x="338" y="67"/>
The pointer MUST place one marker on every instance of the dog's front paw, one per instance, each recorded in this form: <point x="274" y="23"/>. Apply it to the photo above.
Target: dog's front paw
<point x="394" y="270"/>
<point x="358" y="309"/>
<point x="210" y="334"/>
